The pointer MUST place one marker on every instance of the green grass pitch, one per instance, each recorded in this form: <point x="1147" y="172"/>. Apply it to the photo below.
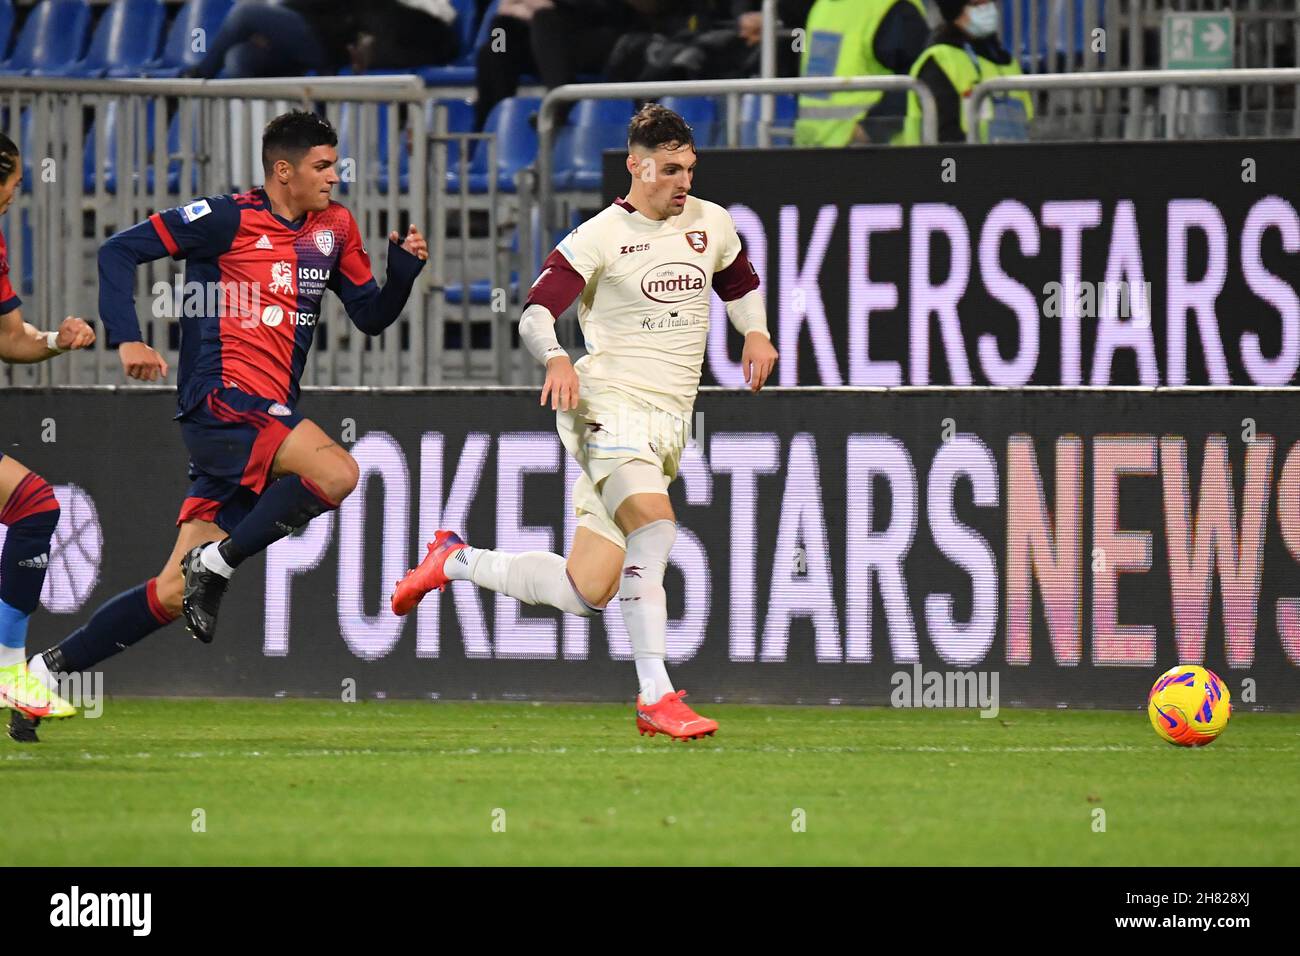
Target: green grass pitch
<point x="411" y="783"/>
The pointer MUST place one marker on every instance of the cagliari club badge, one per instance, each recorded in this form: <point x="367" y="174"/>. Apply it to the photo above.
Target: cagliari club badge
<point x="324" y="240"/>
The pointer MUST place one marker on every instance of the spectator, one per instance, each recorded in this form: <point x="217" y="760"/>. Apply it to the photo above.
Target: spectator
<point x="858" y="38"/>
<point x="281" y="39"/>
<point x="507" y="55"/>
<point x="404" y="34"/>
<point x="963" y="51"/>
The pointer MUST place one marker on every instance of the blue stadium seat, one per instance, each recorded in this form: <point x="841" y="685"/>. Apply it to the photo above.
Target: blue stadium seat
<point x="594" y="126"/>
<point x="178" y="49"/>
<point x="701" y="112"/>
<point x="480" y="291"/>
<point x="109" y="118"/>
<point x="51" y="40"/>
<point x="472" y="35"/>
<point x="111" y="126"/>
<point x="516" y="146"/>
<point x="125" y="39"/>
<point x="6" y="24"/>
<point x="751" y="108"/>
<point x="460" y="119"/>
<point x="1034" y="49"/>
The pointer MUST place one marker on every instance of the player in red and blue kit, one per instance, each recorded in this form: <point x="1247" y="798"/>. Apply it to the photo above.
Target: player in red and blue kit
<point x="28" y="508"/>
<point x="259" y="469"/>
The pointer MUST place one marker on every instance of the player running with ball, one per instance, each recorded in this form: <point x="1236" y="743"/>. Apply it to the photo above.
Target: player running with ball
<point x="28" y="508"/>
<point x="643" y="268"/>
<point x="260" y="469"/>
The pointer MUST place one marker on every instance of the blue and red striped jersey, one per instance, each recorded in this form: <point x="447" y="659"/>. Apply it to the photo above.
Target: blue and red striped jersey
<point x="8" y="297"/>
<point x="258" y="280"/>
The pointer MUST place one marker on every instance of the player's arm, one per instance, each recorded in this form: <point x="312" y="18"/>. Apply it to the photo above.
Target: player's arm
<point x="23" y="344"/>
<point x="371" y="308"/>
<point x="204" y="227"/>
<point x="565" y="273"/>
<point x="736" y="284"/>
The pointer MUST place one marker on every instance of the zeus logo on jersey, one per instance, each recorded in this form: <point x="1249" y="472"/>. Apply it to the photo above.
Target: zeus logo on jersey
<point x="195" y="210"/>
<point x="639" y="247"/>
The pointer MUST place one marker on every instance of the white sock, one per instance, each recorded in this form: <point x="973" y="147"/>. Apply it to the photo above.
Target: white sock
<point x="653" y="675"/>
<point x="38" y="669"/>
<point x="213" y="561"/>
<point x="644" y="604"/>
<point x="534" y="577"/>
<point x="11" y="655"/>
<point x="460" y="565"/>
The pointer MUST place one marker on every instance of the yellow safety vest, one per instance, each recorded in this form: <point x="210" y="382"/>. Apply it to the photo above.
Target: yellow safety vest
<point x="1004" y="116"/>
<point x="841" y="37"/>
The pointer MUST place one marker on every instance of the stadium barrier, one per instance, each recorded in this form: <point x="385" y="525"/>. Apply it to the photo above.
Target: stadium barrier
<point x="955" y="264"/>
<point x="1066" y="544"/>
<point x="102" y="155"/>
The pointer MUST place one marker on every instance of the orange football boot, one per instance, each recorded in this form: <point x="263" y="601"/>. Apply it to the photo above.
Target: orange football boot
<point x="670" y="716"/>
<point x="430" y="575"/>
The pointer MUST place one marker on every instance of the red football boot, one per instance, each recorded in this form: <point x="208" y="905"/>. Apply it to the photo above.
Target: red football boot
<point x="670" y="716"/>
<point x="430" y="575"/>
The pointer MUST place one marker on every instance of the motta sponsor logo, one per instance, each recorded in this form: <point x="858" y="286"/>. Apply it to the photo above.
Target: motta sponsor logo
<point x="130" y="910"/>
<point x="673" y="282"/>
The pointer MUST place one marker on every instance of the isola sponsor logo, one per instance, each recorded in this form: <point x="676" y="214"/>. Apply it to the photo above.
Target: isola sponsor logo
<point x="673" y="282"/>
<point x="311" y="272"/>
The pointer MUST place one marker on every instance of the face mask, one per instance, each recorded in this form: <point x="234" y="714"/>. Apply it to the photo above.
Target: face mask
<point x="983" y="20"/>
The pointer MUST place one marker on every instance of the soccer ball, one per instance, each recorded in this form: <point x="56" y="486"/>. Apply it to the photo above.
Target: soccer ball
<point x="1189" y="705"/>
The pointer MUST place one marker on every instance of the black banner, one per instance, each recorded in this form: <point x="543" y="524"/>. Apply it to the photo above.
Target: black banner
<point x="1116" y="264"/>
<point x="1060" y="547"/>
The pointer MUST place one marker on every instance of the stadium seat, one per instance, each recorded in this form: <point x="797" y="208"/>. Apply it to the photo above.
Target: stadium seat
<point x="472" y="35"/>
<point x="51" y="41"/>
<point x="6" y="24"/>
<point x="751" y="108"/>
<point x="480" y="291"/>
<point x="1034" y="47"/>
<point x="178" y="49"/>
<point x="516" y="146"/>
<point x="594" y="126"/>
<point x="125" y="39"/>
<point x="460" y="119"/>
<point x="701" y="112"/>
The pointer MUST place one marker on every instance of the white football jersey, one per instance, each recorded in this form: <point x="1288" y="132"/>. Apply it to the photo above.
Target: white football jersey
<point x="645" y="309"/>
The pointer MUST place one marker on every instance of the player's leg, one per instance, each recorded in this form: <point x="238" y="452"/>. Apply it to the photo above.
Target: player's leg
<point x="637" y="495"/>
<point x="30" y="513"/>
<point x="131" y="616"/>
<point x="297" y="471"/>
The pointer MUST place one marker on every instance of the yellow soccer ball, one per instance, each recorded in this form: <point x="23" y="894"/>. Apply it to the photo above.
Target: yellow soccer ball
<point x="1189" y="705"/>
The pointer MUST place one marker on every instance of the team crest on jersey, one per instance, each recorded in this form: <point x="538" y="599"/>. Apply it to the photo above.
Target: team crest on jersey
<point x="280" y="410"/>
<point x="324" y="240"/>
<point x="698" y="239"/>
<point x="282" y="278"/>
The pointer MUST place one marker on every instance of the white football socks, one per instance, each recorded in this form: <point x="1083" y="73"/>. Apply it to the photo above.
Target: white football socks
<point x="213" y="561"/>
<point x="534" y="577"/>
<point x="41" y="671"/>
<point x="645" y="606"/>
<point x="11" y="655"/>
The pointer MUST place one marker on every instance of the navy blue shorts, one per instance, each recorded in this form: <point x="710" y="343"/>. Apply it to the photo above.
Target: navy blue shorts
<point x="232" y="438"/>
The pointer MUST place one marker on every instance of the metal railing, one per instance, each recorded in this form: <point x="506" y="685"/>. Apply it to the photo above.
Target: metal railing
<point x="573" y="92"/>
<point x="1170" y="79"/>
<point x="80" y="191"/>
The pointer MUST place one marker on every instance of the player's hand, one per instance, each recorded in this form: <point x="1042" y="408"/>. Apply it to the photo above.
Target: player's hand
<point x="74" y="333"/>
<point x="141" y="362"/>
<point x="757" y="359"/>
<point x="413" y="243"/>
<point x="561" y="384"/>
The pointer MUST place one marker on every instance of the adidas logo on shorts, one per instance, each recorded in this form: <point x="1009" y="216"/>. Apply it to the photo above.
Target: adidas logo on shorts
<point x="40" y="561"/>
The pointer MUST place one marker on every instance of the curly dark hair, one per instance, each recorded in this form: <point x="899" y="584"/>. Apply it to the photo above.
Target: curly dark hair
<point x="654" y="126"/>
<point x="292" y="135"/>
<point x="8" y="158"/>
